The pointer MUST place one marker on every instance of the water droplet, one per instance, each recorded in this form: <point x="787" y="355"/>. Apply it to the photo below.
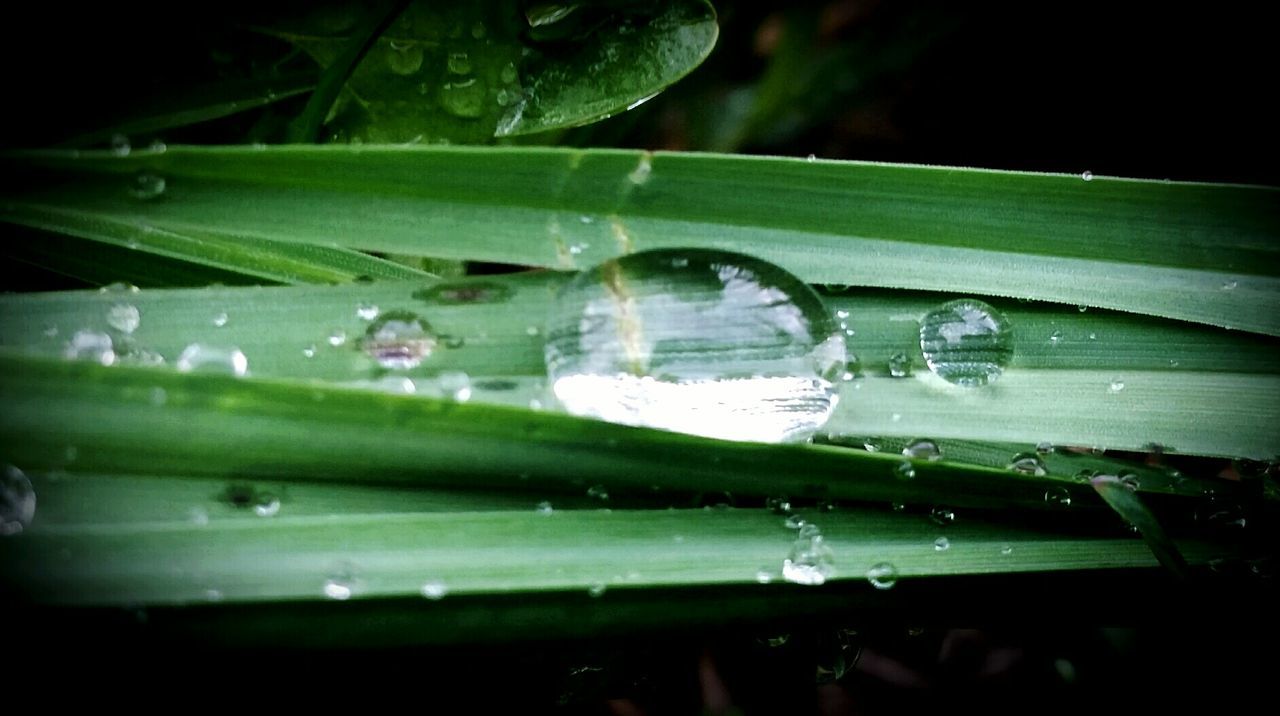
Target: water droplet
<point x="1044" y="448"/>
<point x="212" y="359"/>
<point x="1055" y="338"/>
<point x="966" y="342"/>
<point x="337" y="589"/>
<point x="1082" y="308"/>
<point x="17" y="501"/>
<point x="50" y="331"/>
<point x="811" y="158"/>
<point x="809" y="531"/>
<point x="120" y="145"/>
<point x="404" y="58"/>
<point x="904" y="471"/>
<point x="119" y="287"/>
<point x="434" y="590"/>
<point x="794" y="522"/>
<point x="1086" y="175"/>
<point x="1130" y="481"/>
<point x="1116" y="386"/>
<point x="1230" y="285"/>
<point x="644" y="167"/>
<point x="309" y="351"/>
<point x="146" y="185"/>
<point x="923" y="450"/>
<point x="456" y="385"/>
<point x="598" y="492"/>
<point x="398" y="340"/>
<point x="157" y="146"/>
<point x="366" y="311"/>
<point x="532" y="331"/>
<point x="544" y="508"/>
<point x="1006" y="550"/>
<point x="882" y="575"/>
<point x="159" y="396"/>
<point x="91" y="345"/>
<point x="1058" y="497"/>
<point x="778" y="505"/>
<point x="1028" y="463"/>
<point x="942" y="544"/>
<point x="942" y="515"/>
<point x="463" y="98"/>
<point x="459" y="63"/>
<point x="266" y="504"/>
<point x="508" y="73"/>
<point x="898" y="506"/>
<point x="220" y="320"/>
<point x="729" y="347"/>
<point x="199" y="516"/>
<point x="899" y="365"/>
<point x="596" y="589"/>
<point x="124" y="317"/>
<point x="764" y="575"/>
<point x="810" y="562"/>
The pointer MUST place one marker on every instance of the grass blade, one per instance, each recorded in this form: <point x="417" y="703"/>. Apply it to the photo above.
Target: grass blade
<point x="1128" y="505"/>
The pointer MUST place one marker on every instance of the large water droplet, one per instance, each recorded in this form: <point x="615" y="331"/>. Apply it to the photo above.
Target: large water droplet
<point x="729" y="347"/>
<point x="1058" y="497"/>
<point x="810" y="562"/>
<point x="1028" y="463"/>
<point x="17" y="501"/>
<point x="91" y="345"/>
<point x="212" y="359"/>
<point x="463" y="98"/>
<point x="923" y="450"/>
<point x="146" y="185"/>
<point x="882" y="575"/>
<point x="124" y="317"/>
<point x="404" y="57"/>
<point x="966" y="342"/>
<point x="399" y="340"/>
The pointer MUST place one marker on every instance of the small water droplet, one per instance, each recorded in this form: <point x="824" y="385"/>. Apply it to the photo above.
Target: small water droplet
<point x="1006" y="550"/>
<point x="1044" y="448"/>
<point x="119" y="287"/>
<point x="898" y="506"/>
<point x="942" y="515"/>
<point x="794" y="522"/>
<point x="366" y="311"/>
<point x="596" y="589"/>
<point x="17" y="501"/>
<point x="120" y="145"/>
<point x="91" y="345"/>
<point x="764" y="575"/>
<point x="309" y="351"/>
<point x="434" y="589"/>
<point x="811" y="158"/>
<point x="159" y="396"/>
<point x="465" y="293"/>
<point x="1082" y="308"/>
<point x="266" y="504"/>
<point x="50" y="331"/>
<point x="456" y="385"/>
<point x="1055" y="338"/>
<point x="1028" y="463"/>
<point x="532" y="331"/>
<point x="809" y="531"/>
<point x="463" y="98"/>
<point x="810" y="562"/>
<point x="923" y="450"/>
<point x="544" y="508"/>
<point x="904" y="471"/>
<point x="778" y="505"/>
<point x="337" y="589"/>
<point x="199" y="516"/>
<point x="459" y="63"/>
<point x="882" y="575"/>
<point x="1086" y="175"/>
<point x="942" y="544"/>
<point x="220" y="319"/>
<point x="399" y="340"/>
<point x="966" y="342"/>
<point x="1230" y="285"/>
<point x="637" y="342"/>
<point x="1116" y="386"/>
<point x="1058" y="497"/>
<point x="899" y="365"/>
<point x="598" y="492"/>
<point x="404" y="57"/>
<point x="212" y="359"/>
<point x="146" y="185"/>
<point x="124" y="317"/>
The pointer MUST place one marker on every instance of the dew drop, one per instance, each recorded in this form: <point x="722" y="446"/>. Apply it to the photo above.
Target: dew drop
<point x="1116" y="386"/>
<point x="1044" y="448"/>
<point x="434" y="589"/>
<point x="91" y="345"/>
<point x="398" y="340"/>
<point x="811" y="158"/>
<point x="119" y="287"/>
<point x="124" y="317"/>
<point x="904" y="471"/>
<point x="942" y="544"/>
<point x="764" y="575"/>
<point x="882" y="575"/>
<point x="1058" y="497"/>
<point x="120" y="145"/>
<point x="1055" y="338"/>
<point x="778" y="505"/>
<point x="1006" y="550"/>
<point x="596" y="589"/>
<point x="309" y="351"/>
<point x="199" y="357"/>
<point x="794" y="522"/>
<point x="598" y="492"/>
<point x="366" y="311"/>
<point x="899" y="365"/>
<point x="966" y="342"/>
<point x="404" y="58"/>
<point x="809" y="531"/>
<point x="942" y="515"/>
<point x="146" y="185"/>
<point x="923" y="450"/>
<point x="337" y="589"/>
<point x="544" y="508"/>
<point x="1086" y="175"/>
<point x="1028" y="463"/>
<point x="17" y="501"/>
<point x="1230" y="285"/>
<point x="728" y="347"/>
<point x="463" y="98"/>
<point x="220" y="320"/>
<point x="266" y="504"/>
<point x="456" y="385"/>
<point x="810" y="562"/>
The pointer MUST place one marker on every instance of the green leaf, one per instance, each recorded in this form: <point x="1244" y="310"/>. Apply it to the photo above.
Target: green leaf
<point x="1128" y="505"/>
<point x="470" y="72"/>
<point x="262" y="259"/>
<point x="1199" y="252"/>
